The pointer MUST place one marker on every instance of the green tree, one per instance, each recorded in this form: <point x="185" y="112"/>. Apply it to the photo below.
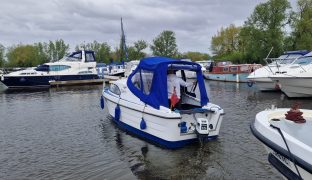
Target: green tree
<point x="135" y="52"/>
<point x="196" y="56"/>
<point x="226" y="41"/>
<point x="41" y="52"/>
<point x="301" y="36"/>
<point x="22" y="56"/>
<point x="61" y="48"/>
<point x="165" y="44"/>
<point x="2" y="52"/>
<point x="264" y="29"/>
<point x="56" y="50"/>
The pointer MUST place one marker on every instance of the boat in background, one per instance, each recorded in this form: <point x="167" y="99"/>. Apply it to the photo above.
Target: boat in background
<point x="274" y="66"/>
<point x="205" y="65"/>
<point x="139" y="104"/>
<point x="226" y="71"/>
<point x="113" y="69"/>
<point x="77" y="68"/>
<point x="100" y="68"/>
<point x="295" y="85"/>
<point x="130" y="67"/>
<point x="286" y="135"/>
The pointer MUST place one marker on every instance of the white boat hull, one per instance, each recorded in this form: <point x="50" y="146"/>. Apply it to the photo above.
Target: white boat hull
<point x="297" y="137"/>
<point x="296" y="87"/>
<point x="162" y="127"/>
<point x="264" y="84"/>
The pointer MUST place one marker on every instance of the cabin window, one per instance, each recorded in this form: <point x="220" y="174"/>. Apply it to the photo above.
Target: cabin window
<point x="233" y="69"/>
<point x="58" y="67"/>
<point x="245" y="68"/>
<point x="77" y="56"/>
<point x="143" y="81"/>
<point x="147" y="77"/>
<point x="114" y="89"/>
<point x="42" y="68"/>
<point x="225" y="69"/>
<point x="136" y="80"/>
<point x="90" y="57"/>
<point x="304" y="60"/>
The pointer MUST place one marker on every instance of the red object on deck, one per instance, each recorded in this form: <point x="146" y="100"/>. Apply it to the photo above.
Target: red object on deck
<point x="294" y="114"/>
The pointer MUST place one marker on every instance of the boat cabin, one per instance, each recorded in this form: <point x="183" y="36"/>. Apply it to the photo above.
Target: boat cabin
<point x="80" y="56"/>
<point x="229" y="68"/>
<point x="149" y="83"/>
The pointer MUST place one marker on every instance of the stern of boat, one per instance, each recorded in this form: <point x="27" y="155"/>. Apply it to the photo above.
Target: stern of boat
<point x="205" y="122"/>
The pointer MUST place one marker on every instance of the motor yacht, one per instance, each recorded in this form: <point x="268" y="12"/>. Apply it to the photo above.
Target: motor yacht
<point x="77" y="68"/>
<point x="260" y="77"/>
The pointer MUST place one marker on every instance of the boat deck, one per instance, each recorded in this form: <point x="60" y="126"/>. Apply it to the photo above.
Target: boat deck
<point x="302" y="132"/>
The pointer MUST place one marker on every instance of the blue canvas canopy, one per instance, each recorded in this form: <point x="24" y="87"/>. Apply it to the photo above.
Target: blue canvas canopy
<point x="158" y="66"/>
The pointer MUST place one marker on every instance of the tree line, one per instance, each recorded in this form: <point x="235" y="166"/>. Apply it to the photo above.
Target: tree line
<point x="272" y="24"/>
<point x="38" y="53"/>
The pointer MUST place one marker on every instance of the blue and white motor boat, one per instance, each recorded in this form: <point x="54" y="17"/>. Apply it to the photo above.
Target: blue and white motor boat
<point x="288" y="143"/>
<point x="140" y="105"/>
<point x="79" y="67"/>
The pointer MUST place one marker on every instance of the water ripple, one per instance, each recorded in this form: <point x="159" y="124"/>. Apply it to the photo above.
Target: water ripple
<point x="62" y="133"/>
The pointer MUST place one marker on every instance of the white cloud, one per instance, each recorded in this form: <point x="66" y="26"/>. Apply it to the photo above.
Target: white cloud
<point x="76" y="21"/>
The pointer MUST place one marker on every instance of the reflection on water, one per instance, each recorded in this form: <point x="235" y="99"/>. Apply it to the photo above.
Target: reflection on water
<point x="62" y="133"/>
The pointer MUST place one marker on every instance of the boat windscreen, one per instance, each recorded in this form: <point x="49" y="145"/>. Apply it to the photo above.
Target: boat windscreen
<point x="43" y="67"/>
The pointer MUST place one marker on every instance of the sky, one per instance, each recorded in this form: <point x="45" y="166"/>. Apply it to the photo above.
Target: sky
<point x="81" y="21"/>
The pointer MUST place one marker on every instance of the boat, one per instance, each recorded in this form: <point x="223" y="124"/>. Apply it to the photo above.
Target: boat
<point x="114" y="69"/>
<point x="286" y="134"/>
<point x="139" y="105"/>
<point x="205" y="64"/>
<point x="101" y="68"/>
<point x="226" y="71"/>
<point x="130" y="67"/>
<point x="295" y="85"/>
<point x="296" y="79"/>
<point x="77" y="68"/>
<point x="260" y="77"/>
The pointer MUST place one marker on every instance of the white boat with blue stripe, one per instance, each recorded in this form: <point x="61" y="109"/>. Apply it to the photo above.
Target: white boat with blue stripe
<point x="140" y="105"/>
<point x="77" y="68"/>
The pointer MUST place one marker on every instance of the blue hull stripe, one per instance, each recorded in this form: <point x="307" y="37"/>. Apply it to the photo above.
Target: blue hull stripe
<point x="42" y="81"/>
<point x="157" y="140"/>
<point x="228" y="77"/>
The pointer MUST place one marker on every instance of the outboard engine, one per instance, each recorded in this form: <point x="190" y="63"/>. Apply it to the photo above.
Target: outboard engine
<point x="202" y="128"/>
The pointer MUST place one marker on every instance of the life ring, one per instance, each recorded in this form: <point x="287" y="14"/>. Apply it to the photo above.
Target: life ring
<point x="250" y="83"/>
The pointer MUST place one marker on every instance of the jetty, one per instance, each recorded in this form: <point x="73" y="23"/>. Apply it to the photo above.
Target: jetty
<point x="106" y="79"/>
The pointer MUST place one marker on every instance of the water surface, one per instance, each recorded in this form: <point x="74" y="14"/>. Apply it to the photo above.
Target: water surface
<point x="62" y="133"/>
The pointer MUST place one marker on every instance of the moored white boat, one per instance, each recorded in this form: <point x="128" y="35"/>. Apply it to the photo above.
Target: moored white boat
<point x="296" y="79"/>
<point x="295" y="85"/>
<point x="140" y="105"/>
<point x="115" y="70"/>
<point x="77" y="68"/>
<point x="288" y="143"/>
<point x="130" y="67"/>
<point x="261" y="75"/>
